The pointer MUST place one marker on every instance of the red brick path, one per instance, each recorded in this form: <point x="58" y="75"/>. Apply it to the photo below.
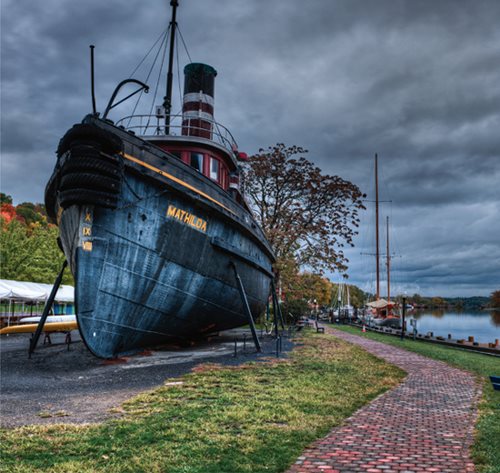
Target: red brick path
<point x="424" y="425"/>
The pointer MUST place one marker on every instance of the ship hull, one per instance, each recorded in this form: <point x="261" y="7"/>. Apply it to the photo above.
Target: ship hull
<point x="158" y="265"/>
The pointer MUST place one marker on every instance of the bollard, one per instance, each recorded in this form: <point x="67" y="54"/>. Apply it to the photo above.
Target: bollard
<point x="235" y="347"/>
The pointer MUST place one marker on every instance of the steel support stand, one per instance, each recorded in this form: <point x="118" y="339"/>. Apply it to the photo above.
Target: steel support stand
<point x="403" y="321"/>
<point x="46" y="310"/>
<point x="246" y="308"/>
<point x="277" y="308"/>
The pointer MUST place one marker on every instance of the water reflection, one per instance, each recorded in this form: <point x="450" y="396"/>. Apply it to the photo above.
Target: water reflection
<point x="484" y="326"/>
<point x="495" y="317"/>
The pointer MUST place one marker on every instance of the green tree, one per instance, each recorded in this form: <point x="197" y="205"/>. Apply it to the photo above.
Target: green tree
<point x="295" y="308"/>
<point x="47" y="258"/>
<point x="5" y="199"/>
<point x="358" y="297"/>
<point x="16" y="250"/>
<point x="30" y="253"/>
<point x="31" y="213"/>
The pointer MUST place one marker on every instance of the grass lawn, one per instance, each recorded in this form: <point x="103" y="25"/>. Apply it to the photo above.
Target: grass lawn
<point x="255" y="418"/>
<point x="486" y="448"/>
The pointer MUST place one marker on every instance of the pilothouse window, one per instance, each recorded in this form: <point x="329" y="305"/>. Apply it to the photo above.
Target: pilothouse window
<point x="214" y="169"/>
<point x="197" y="161"/>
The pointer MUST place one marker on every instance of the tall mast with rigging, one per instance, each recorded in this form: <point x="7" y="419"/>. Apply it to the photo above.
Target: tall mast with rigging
<point x="388" y="263"/>
<point x="377" y="251"/>
<point x="170" y="76"/>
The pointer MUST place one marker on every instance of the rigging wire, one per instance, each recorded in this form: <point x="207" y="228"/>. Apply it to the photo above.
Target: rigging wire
<point x="178" y="72"/>
<point x="157" y="84"/>
<point x="162" y="45"/>
<point x="184" y="43"/>
<point x="395" y="253"/>
<point x="149" y="52"/>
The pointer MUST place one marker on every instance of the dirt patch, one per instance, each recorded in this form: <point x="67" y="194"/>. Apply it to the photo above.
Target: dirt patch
<point x="72" y="386"/>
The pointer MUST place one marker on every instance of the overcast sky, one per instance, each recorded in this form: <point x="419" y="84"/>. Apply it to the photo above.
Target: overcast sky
<point x="417" y="82"/>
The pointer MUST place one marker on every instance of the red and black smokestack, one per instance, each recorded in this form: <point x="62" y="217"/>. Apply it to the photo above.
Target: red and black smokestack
<point x="198" y="102"/>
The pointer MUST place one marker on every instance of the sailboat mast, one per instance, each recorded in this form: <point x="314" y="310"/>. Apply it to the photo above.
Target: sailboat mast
<point x="388" y="265"/>
<point x="170" y="76"/>
<point x="377" y="243"/>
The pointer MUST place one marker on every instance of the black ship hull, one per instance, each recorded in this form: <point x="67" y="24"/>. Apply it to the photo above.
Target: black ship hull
<point x="151" y="243"/>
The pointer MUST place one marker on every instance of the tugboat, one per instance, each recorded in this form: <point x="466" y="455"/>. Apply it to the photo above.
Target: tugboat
<point x="153" y="224"/>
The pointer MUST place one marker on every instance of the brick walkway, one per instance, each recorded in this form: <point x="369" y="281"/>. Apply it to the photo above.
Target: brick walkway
<point x="424" y="425"/>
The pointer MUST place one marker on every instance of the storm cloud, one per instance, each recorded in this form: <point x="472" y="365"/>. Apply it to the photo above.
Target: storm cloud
<point x="417" y="82"/>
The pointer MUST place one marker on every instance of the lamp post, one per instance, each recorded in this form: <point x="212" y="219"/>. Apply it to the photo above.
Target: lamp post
<point x="403" y="321"/>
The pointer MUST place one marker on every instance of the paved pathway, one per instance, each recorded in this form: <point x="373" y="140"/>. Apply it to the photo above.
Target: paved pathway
<point x="423" y="425"/>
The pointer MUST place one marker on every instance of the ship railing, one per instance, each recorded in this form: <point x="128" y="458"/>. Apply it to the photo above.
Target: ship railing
<point x="155" y="126"/>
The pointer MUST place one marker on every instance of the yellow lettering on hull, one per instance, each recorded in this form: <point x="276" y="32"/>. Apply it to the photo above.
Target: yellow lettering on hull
<point x="187" y="218"/>
<point x="87" y="246"/>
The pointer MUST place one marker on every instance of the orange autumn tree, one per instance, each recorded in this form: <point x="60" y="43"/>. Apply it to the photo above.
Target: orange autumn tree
<point x="495" y="299"/>
<point x="7" y="210"/>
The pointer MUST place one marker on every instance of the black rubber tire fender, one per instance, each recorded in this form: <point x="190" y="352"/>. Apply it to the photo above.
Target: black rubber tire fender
<point x="90" y="181"/>
<point x="86" y="151"/>
<point x="89" y="197"/>
<point x="92" y="165"/>
<point x="50" y="196"/>
<point x="87" y="133"/>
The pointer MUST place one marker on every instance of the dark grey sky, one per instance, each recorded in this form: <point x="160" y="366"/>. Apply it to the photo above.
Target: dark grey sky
<point x="416" y="81"/>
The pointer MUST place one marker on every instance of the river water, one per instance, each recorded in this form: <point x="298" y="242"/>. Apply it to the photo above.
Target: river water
<point x="483" y="325"/>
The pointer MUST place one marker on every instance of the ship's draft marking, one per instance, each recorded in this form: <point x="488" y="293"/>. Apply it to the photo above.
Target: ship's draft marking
<point x="87" y="246"/>
<point x="175" y="179"/>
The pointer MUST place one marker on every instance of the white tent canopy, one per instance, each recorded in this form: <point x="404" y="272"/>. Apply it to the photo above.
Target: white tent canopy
<point x="35" y="292"/>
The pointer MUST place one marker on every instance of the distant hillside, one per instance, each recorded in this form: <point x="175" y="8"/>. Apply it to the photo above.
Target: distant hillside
<point x="476" y="301"/>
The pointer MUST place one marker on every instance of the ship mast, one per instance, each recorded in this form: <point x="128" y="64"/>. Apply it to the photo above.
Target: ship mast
<point x="167" y="104"/>
<point x="377" y="251"/>
<point x="388" y="263"/>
